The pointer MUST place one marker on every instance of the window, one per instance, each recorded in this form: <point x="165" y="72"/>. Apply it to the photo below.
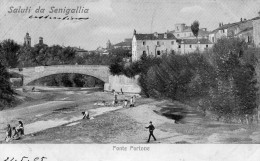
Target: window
<point x="158" y="52"/>
<point x="190" y="46"/>
<point x="172" y="42"/>
<point x="207" y="46"/>
<point x="143" y="42"/>
<point x="213" y="39"/>
<point x="179" y="46"/>
<point x="158" y="43"/>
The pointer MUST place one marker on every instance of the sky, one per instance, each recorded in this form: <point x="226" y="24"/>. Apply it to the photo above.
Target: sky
<point x="115" y="20"/>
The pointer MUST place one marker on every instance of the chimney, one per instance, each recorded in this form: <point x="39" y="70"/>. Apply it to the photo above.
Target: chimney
<point x="219" y="24"/>
<point x="241" y="19"/>
<point x="222" y="24"/>
<point x="40" y="40"/>
<point x="156" y="34"/>
<point x="244" y="19"/>
<point x="165" y="35"/>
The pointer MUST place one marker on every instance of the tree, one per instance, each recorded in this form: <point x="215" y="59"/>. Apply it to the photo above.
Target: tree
<point x="6" y="92"/>
<point x="9" y="53"/>
<point x="227" y="53"/>
<point x="40" y="54"/>
<point x="68" y="55"/>
<point x="236" y="91"/>
<point x="195" y="29"/>
<point x="26" y="58"/>
<point x="116" y="68"/>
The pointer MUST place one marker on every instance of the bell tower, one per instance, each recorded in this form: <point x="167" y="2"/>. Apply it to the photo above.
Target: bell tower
<point x="27" y="40"/>
<point x="109" y="45"/>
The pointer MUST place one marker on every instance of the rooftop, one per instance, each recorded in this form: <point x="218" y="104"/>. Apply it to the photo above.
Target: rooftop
<point x="245" y="30"/>
<point x="153" y="36"/>
<point x="225" y="26"/>
<point x="188" y="29"/>
<point x="194" y="41"/>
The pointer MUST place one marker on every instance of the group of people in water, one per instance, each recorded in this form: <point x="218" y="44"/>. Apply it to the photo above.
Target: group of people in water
<point x="14" y="133"/>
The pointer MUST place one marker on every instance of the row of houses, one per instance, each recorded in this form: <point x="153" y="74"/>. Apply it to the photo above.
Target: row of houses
<point x="182" y="41"/>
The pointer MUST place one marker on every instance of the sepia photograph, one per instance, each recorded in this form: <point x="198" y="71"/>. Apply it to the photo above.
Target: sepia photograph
<point x="130" y="73"/>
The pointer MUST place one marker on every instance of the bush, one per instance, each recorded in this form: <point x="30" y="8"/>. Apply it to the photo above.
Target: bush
<point x="6" y="92"/>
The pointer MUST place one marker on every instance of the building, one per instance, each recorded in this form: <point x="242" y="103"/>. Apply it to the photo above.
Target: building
<point x="246" y="34"/>
<point x="126" y="44"/>
<point x="154" y="44"/>
<point x="27" y="40"/>
<point x="184" y="32"/>
<point x="186" y="46"/>
<point x="242" y="29"/>
<point x="157" y="44"/>
<point x="80" y="52"/>
<point x="101" y="50"/>
<point x="256" y="31"/>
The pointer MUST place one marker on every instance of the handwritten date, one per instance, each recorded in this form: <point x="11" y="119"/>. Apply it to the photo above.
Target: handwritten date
<point x="24" y="158"/>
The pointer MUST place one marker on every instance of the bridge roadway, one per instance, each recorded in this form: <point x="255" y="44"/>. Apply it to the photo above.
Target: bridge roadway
<point x="33" y="73"/>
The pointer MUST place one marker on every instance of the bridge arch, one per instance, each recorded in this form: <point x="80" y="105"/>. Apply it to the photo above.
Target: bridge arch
<point x="33" y="73"/>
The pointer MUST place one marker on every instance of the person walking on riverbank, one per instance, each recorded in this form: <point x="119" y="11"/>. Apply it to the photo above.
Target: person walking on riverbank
<point x="151" y="129"/>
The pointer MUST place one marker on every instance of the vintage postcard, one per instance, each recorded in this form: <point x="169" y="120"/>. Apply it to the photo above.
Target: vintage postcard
<point x="159" y="79"/>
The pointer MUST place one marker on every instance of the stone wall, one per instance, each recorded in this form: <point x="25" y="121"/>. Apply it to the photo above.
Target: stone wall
<point x="117" y="83"/>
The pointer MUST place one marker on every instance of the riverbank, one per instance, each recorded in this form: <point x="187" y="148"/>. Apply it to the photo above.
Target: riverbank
<point x="127" y="125"/>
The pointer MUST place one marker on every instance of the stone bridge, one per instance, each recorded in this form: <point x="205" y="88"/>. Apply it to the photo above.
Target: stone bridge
<point x="33" y="73"/>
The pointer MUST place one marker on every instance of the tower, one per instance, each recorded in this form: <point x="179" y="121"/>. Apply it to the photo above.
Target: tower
<point x="40" y="40"/>
<point x="179" y="27"/>
<point x="109" y="45"/>
<point x="27" y="40"/>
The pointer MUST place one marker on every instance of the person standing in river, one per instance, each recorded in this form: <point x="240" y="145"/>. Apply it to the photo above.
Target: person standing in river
<point x="151" y="129"/>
